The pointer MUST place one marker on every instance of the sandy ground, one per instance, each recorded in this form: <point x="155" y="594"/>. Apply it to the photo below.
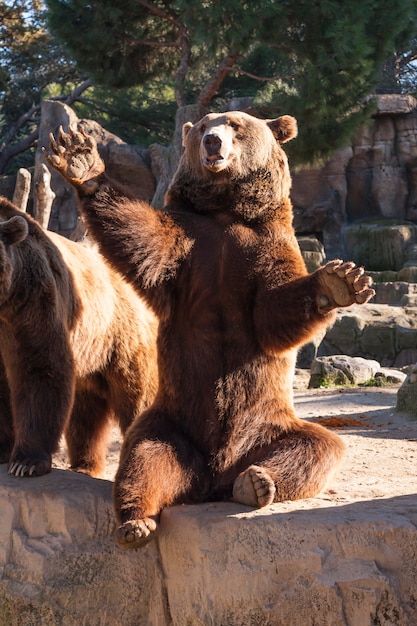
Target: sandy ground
<point x="381" y="455"/>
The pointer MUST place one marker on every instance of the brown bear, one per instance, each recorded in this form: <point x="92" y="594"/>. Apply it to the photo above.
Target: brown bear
<point x="77" y="347"/>
<point x="221" y="268"/>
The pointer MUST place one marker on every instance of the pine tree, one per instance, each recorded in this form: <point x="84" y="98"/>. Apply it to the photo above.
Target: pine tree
<point x="31" y="62"/>
<point x="316" y="60"/>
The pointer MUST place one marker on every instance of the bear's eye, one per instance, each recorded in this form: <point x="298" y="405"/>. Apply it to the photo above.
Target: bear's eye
<point x="203" y="128"/>
<point x="235" y="126"/>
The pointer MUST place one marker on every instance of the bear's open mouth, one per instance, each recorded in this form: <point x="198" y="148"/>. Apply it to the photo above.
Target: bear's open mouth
<point x="213" y="160"/>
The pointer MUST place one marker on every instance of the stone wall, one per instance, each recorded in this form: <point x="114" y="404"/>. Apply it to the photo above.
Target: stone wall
<point x="374" y="178"/>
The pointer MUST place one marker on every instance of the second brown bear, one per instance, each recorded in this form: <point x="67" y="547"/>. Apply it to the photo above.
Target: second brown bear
<point x="77" y="349"/>
<point x="221" y="268"/>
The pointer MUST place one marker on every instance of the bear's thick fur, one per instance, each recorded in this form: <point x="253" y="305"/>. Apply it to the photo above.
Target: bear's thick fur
<point x="221" y="268"/>
<point x="77" y="347"/>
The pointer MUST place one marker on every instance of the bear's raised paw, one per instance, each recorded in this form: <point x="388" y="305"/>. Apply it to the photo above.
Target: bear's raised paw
<point x="75" y="156"/>
<point x="343" y="284"/>
<point x="136" y="533"/>
<point x="254" y="487"/>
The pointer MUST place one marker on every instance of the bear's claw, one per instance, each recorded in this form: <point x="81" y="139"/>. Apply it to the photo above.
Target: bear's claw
<point x="29" y="468"/>
<point x="343" y="284"/>
<point x="254" y="487"/>
<point x="136" y="533"/>
<point x="75" y="156"/>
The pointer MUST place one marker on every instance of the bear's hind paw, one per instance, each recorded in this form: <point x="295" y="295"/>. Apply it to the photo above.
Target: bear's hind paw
<point x="254" y="487"/>
<point x="29" y="467"/>
<point x="136" y="533"/>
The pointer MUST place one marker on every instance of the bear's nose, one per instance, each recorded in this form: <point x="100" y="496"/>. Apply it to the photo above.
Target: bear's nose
<point x="212" y="143"/>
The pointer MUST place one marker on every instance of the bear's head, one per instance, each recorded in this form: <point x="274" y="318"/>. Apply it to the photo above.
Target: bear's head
<point x="233" y="163"/>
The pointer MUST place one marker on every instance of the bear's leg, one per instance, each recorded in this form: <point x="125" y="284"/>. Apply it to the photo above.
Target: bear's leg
<point x="6" y="419"/>
<point x="297" y="465"/>
<point x="87" y="433"/>
<point x="41" y="378"/>
<point x="158" y="468"/>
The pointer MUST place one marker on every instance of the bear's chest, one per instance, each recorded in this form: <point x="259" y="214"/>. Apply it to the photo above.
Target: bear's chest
<point x="218" y="279"/>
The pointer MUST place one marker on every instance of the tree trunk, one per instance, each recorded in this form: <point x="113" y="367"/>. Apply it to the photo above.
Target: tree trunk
<point x="165" y="159"/>
<point x="22" y="189"/>
<point x="43" y="197"/>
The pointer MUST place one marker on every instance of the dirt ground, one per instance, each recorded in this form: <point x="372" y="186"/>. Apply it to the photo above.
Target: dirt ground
<point x="381" y="455"/>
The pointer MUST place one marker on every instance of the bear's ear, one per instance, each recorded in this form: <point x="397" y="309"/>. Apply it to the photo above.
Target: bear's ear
<point x="185" y="130"/>
<point x="14" y="230"/>
<point x="283" y="128"/>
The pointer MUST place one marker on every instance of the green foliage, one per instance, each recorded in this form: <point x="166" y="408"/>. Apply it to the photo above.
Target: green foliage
<point x="337" y="50"/>
<point x="29" y="58"/>
<point x="375" y="382"/>
<point x="137" y="115"/>
<point x="110" y="40"/>
<point x="316" y="60"/>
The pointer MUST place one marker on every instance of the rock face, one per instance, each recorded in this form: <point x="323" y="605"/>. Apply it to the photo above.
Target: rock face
<point x="58" y="562"/>
<point x="290" y="569"/>
<point x="386" y="333"/>
<point x="375" y="177"/>
<point x="382" y="246"/>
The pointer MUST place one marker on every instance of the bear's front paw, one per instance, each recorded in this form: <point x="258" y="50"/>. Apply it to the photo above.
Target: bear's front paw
<point x="26" y="465"/>
<point x="343" y="284"/>
<point x="75" y="156"/>
<point x="136" y="533"/>
<point x="254" y="487"/>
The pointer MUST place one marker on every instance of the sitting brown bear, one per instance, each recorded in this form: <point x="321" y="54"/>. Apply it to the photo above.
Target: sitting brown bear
<point x="77" y="349"/>
<point x="221" y="268"/>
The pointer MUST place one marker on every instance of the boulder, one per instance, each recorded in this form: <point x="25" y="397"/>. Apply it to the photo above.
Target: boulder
<point x="341" y="370"/>
<point x="407" y="393"/>
<point x="313" y="252"/>
<point x="387" y="334"/>
<point x="347" y="370"/>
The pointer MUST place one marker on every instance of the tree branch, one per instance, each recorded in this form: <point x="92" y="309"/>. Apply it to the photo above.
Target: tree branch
<point x="76" y="93"/>
<point x="150" y="44"/>
<point x="212" y="86"/>
<point x="12" y="150"/>
<point x="18" y="125"/>
<point x="183" y="67"/>
<point x="160" y="13"/>
<point x="271" y="79"/>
